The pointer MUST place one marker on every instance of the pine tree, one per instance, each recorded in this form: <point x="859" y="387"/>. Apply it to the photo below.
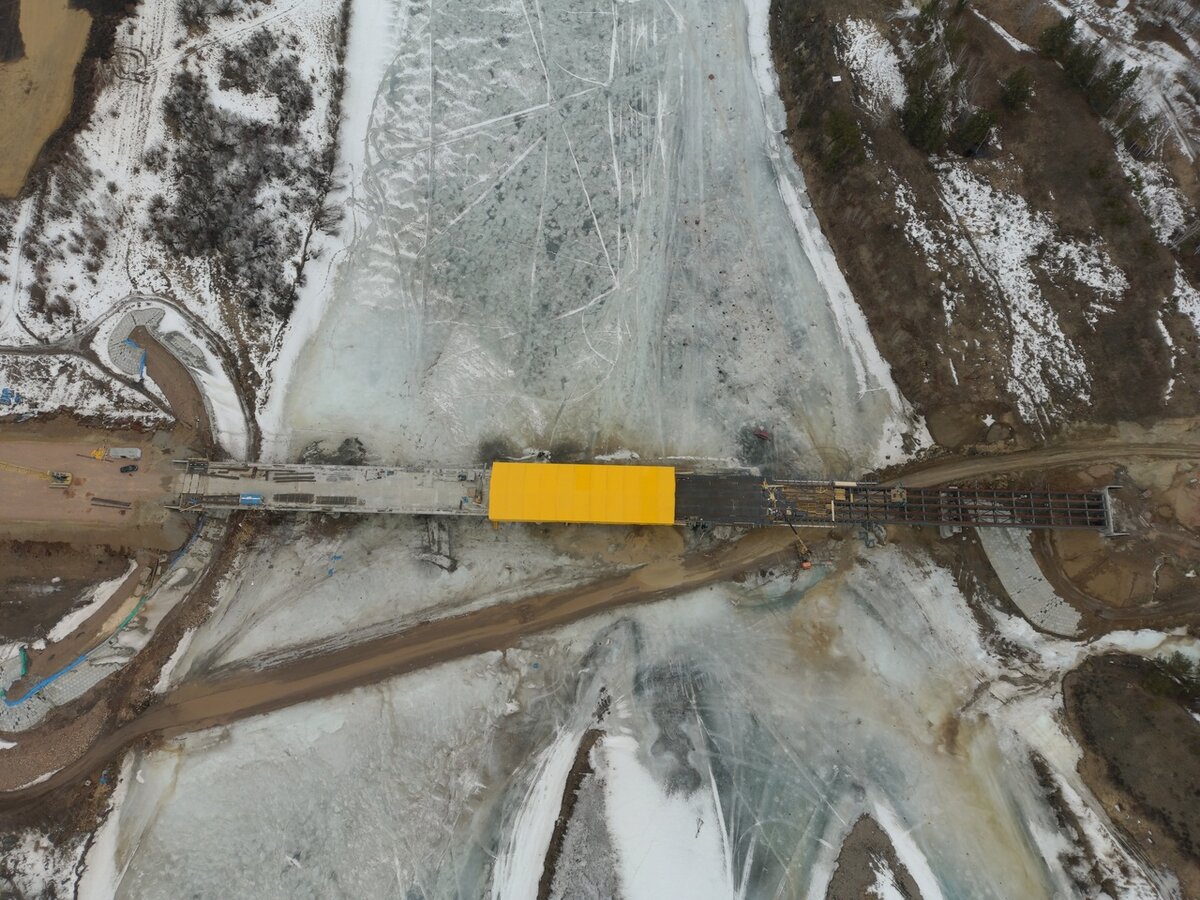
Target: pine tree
<point x="972" y="134"/>
<point x="1080" y="61"/>
<point x="922" y="118"/>
<point x="1109" y="88"/>
<point x="1055" y="40"/>
<point x="1016" y="88"/>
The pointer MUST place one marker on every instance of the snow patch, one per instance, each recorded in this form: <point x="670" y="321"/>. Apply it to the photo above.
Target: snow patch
<point x="43" y="384"/>
<point x="100" y="877"/>
<point x="1157" y="194"/>
<point x="1007" y="246"/>
<point x="874" y="63"/>
<point x="884" y="886"/>
<point x="668" y="846"/>
<point x="907" y="851"/>
<point x="1018" y="45"/>
<point x="621" y="455"/>
<point x="164" y="676"/>
<point x="100" y="595"/>
<point x="1187" y="299"/>
<point x="36" y="866"/>
<point x="519" y="867"/>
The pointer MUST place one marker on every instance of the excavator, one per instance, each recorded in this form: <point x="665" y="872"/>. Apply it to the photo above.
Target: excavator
<point x="56" y="479"/>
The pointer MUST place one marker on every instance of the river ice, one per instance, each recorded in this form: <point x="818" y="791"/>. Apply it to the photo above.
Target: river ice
<point x="573" y="223"/>
<point x="577" y="224"/>
<point x="763" y="717"/>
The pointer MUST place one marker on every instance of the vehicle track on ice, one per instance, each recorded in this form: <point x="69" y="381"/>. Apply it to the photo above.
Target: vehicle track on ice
<point x="246" y="692"/>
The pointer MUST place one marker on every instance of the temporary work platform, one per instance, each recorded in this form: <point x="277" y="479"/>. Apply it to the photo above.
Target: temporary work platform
<point x="605" y="495"/>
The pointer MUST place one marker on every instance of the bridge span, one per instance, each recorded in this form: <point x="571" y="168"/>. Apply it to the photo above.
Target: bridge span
<point x="407" y="490"/>
<point x="621" y="494"/>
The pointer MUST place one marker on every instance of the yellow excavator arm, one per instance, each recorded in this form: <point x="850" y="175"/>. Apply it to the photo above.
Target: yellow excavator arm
<point x="56" y="479"/>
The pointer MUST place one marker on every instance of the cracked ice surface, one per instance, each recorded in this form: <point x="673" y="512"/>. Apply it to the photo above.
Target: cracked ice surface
<point x="570" y="223"/>
<point x="769" y="715"/>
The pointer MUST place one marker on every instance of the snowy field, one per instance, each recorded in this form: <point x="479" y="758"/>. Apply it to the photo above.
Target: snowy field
<point x="77" y="247"/>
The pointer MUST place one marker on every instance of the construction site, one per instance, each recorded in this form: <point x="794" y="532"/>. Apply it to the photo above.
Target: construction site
<point x="453" y="451"/>
<point x="611" y="494"/>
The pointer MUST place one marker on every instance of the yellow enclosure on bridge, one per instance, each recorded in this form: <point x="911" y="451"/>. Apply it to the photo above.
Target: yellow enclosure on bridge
<point x="607" y="495"/>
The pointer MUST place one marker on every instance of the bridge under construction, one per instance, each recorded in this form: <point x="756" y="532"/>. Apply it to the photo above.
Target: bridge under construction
<point x="622" y="495"/>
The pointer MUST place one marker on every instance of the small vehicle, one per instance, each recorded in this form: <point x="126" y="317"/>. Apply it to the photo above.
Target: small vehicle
<point x="128" y="470"/>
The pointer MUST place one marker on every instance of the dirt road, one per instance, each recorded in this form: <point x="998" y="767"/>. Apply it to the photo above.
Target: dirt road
<point x="34" y="511"/>
<point x="180" y="389"/>
<point x="951" y="469"/>
<point x="1182" y="611"/>
<point x="245" y="693"/>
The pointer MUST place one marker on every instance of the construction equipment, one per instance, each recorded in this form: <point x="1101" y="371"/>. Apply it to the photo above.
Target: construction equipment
<point x="56" y="479"/>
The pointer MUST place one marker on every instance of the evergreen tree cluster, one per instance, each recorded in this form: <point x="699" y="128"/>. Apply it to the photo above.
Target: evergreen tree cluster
<point x="1106" y="87"/>
<point x="937" y="87"/>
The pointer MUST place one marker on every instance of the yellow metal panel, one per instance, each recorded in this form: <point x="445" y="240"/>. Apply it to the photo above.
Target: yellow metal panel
<point x="607" y="495"/>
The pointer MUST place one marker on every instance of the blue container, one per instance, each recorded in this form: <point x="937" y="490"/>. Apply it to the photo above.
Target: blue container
<point x="250" y="499"/>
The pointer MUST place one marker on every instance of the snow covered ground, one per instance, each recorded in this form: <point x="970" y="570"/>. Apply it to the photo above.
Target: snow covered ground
<point x="300" y="588"/>
<point x="747" y="729"/>
<point x="43" y="384"/>
<point x="86" y="242"/>
<point x="1008" y="247"/>
<point x="874" y="64"/>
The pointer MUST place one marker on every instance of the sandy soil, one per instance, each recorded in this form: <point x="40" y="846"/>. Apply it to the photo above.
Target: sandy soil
<point x="180" y="389"/>
<point x="36" y="91"/>
<point x="72" y="736"/>
<point x="35" y="511"/>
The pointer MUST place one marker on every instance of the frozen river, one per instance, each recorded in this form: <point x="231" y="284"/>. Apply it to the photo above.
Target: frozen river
<point x="747" y="727"/>
<point x="576" y="223"/>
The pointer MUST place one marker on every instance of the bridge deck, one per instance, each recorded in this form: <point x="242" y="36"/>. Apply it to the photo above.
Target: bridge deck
<point x="355" y="489"/>
<point x="730" y="498"/>
<point x="808" y="503"/>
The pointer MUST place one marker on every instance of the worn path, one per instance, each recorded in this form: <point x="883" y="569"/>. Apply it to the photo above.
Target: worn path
<point x="244" y="693"/>
<point x="950" y="469"/>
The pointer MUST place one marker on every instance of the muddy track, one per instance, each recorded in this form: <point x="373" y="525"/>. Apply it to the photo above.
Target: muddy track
<point x="1182" y="611"/>
<point x="245" y="693"/>
<point x="948" y="470"/>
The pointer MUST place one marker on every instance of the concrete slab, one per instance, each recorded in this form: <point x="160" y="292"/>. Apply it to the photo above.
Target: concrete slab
<point x="353" y="489"/>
